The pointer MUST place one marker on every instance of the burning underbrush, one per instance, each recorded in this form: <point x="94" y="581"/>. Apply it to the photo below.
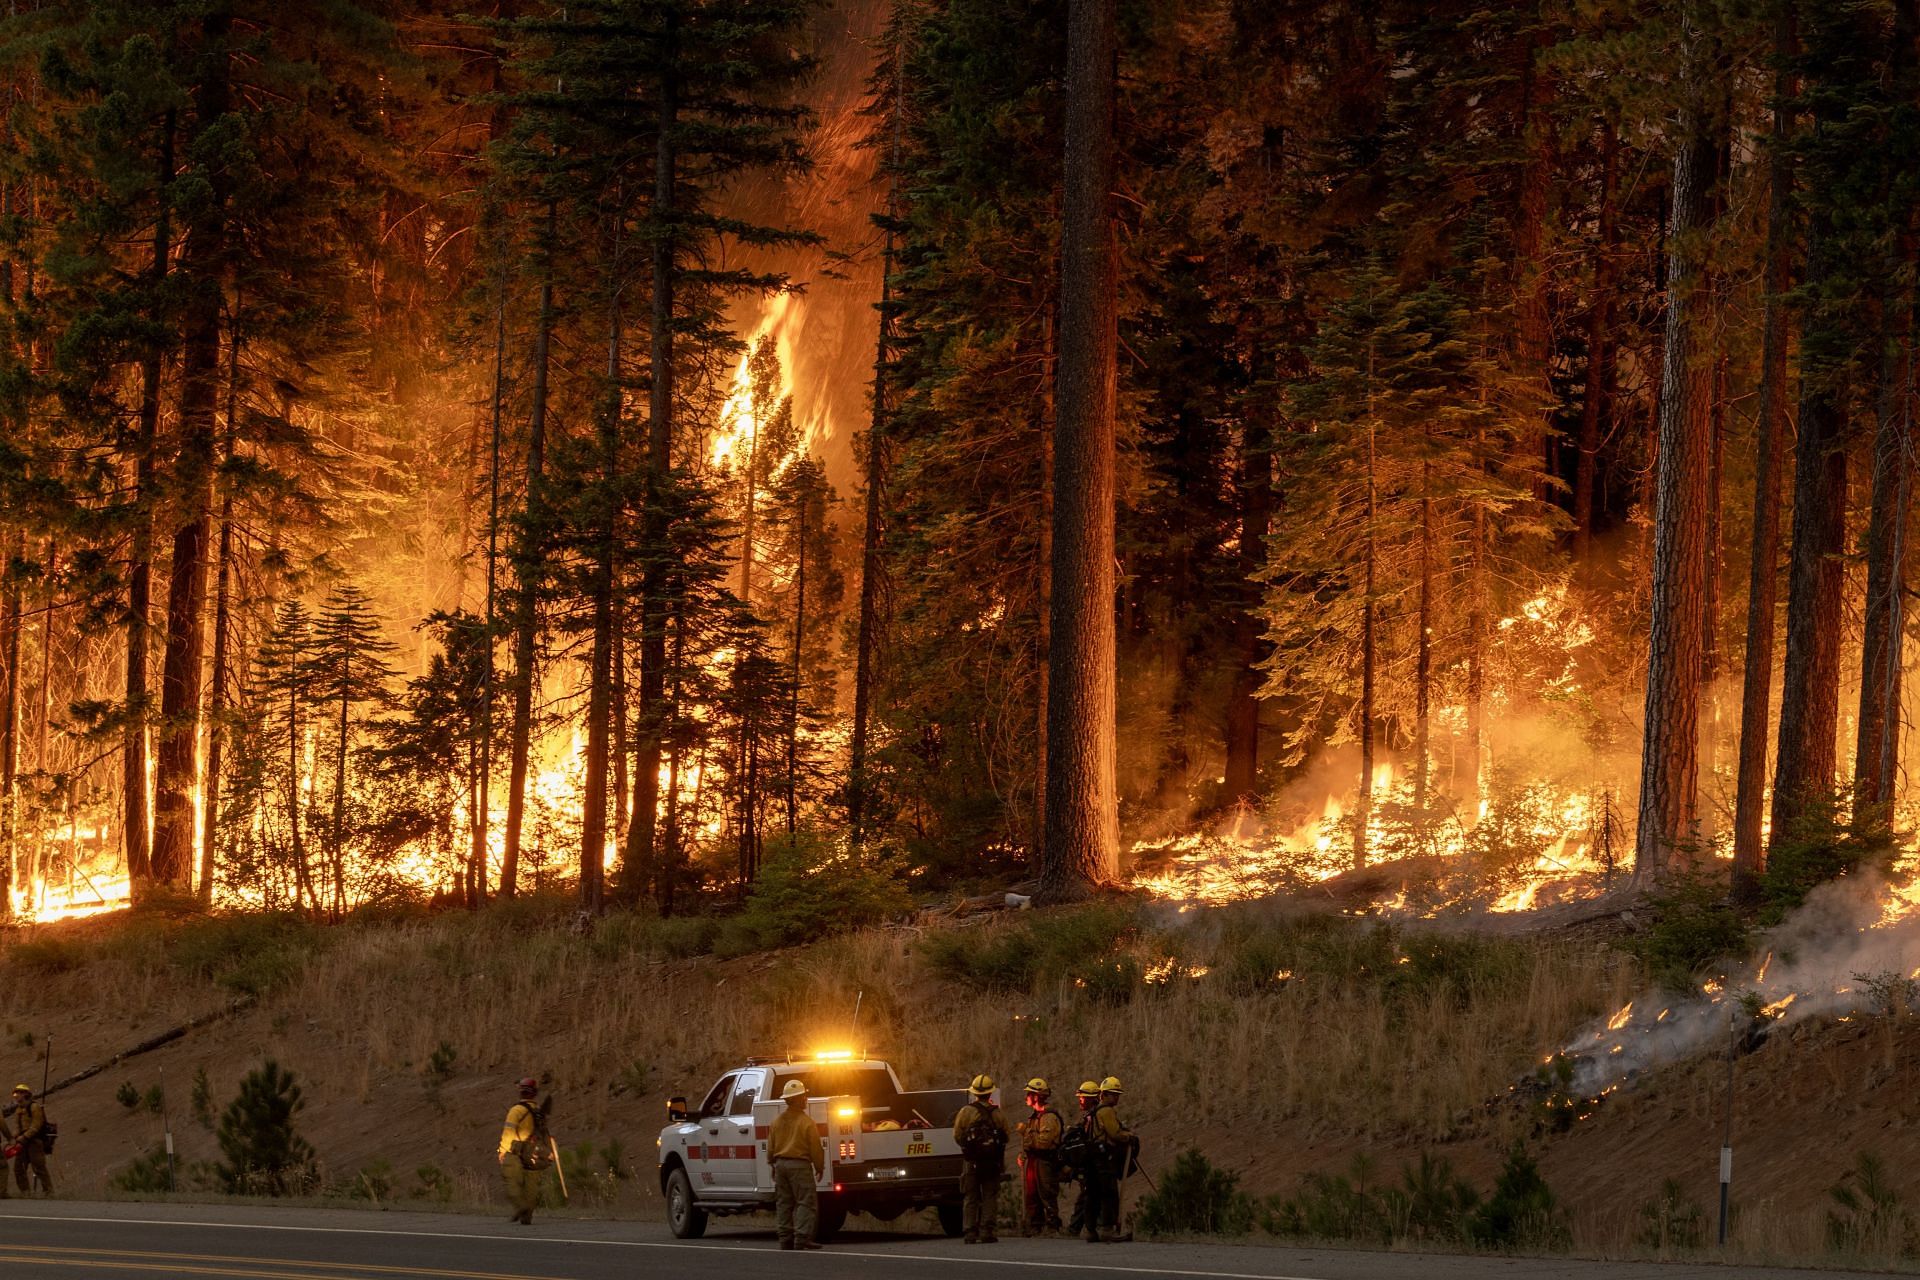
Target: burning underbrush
<point x="1852" y="950"/>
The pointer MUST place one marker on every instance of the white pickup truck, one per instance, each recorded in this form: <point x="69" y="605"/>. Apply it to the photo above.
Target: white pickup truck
<point x="888" y="1151"/>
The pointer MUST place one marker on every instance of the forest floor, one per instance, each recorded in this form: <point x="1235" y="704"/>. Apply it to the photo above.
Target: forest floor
<point x="1280" y="1043"/>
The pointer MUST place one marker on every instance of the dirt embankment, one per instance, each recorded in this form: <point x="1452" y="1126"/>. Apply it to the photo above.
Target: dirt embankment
<point x="406" y="1037"/>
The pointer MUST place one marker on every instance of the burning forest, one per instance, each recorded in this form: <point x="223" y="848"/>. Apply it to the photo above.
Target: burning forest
<point x="1444" y="468"/>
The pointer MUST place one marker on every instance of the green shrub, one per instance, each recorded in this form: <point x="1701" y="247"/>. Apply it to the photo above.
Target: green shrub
<point x="807" y="890"/>
<point x="1671" y="1220"/>
<point x="150" y="1174"/>
<point x="45" y="957"/>
<point x="250" y="955"/>
<point x="1867" y="1216"/>
<point x="440" y="1062"/>
<point x="1335" y="1207"/>
<point x="1821" y="846"/>
<point x="1196" y="1198"/>
<point x="1694" y="928"/>
<point x="264" y="1154"/>
<point x="155" y="1099"/>
<point x="202" y="1098"/>
<point x="1521" y="1213"/>
<point x="1079" y="944"/>
<point x="128" y="1095"/>
<point x="432" y="1183"/>
<point x="374" y="1182"/>
<point x="1434" y="1203"/>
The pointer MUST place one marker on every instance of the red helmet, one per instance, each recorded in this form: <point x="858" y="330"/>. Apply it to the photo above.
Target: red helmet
<point x="529" y="1086"/>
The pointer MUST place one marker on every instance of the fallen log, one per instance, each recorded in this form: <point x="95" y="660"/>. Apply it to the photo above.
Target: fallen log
<point x="153" y="1042"/>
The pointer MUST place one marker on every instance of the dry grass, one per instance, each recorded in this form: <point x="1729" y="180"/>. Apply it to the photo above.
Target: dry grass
<point x="1389" y="1040"/>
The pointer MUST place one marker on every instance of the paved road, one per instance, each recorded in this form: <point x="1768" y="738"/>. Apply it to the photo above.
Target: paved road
<point x="58" y="1240"/>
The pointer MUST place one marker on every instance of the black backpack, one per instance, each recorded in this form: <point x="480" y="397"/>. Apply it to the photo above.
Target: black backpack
<point x="983" y="1141"/>
<point x="537" y="1152"/>
<point x="1076" y="1147"/>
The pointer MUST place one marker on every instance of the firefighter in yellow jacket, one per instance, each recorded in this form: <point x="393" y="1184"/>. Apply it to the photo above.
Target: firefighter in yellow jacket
<point x="982" y="1135"/>
<point x="525" y="1153"/>
<point x="1040" y="1135"/>
<point x="793" y="1148"/>
<point x="30" y="1137"/>
<point x="1114" y="1148"/>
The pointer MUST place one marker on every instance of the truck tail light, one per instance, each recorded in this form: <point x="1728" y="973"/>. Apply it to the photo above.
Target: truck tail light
<point x="849" y="1150"/>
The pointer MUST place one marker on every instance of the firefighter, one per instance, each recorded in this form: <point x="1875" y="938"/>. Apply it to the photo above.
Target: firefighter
<point x="525" y="1153"/>
<point x="1088" y="1096"/>
<point x="30" y="1137"/>
<point x="1114" y="1148"/>
<point x="1040" y="1135"/>
<point x="982" y="1134"/>
<point x="793" y="1145"/>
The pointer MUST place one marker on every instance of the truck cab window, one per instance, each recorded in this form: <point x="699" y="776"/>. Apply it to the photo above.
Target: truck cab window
<point x="716" y="1103"/>
<point x="744" y="1093"/>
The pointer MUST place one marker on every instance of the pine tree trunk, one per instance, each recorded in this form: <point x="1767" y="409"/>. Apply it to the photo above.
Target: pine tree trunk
<point x="204" y="265"/>
<point x="1877" y="742"/>
<point x="138" y="834"/>
<point x="9" y="723"/>
<point x="1473" y="791"/>
<point x="1080" y="845"/>
<point x="1669" y="771"/>
<point x="1596" y="405"/>
<point x="1816" y="580"/>
<point x="641" y="872"/>
<point x="1249" y="644"/>
<point x="1534" y="331"/>
<point x="222" y="625"/>
<point x="528" y="557"/>
<point x="593" y="792"/>
<point x="338" y="841"/>
<point x="799" y="641"/>
<point x="303" y="894"/>
<point x="867" y="636"/>
<point x="1763" y="574"/>
<point x="477" y="853"/>
<point x="1423" y="641"/>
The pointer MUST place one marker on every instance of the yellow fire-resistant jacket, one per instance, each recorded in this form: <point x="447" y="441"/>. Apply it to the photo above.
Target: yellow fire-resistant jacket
<point x="1108" y="1125"/>
<point x="1041" y="1131"/>
<point x="794" y="1136"/>
<point x="29" y="1120"/>
<point x="518" y="1128"/>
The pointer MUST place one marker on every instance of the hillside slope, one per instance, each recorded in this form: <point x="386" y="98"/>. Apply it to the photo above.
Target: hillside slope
<point x="1279" y="1044"/>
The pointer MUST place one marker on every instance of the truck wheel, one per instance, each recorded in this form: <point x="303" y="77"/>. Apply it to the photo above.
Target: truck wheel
<point x="951" y="1220"/>
<point x="688" y="1220"/>
<point x="831" y="1220"/>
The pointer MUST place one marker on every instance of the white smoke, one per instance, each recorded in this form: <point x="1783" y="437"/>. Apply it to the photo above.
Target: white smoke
<point x="1852" y="949"/>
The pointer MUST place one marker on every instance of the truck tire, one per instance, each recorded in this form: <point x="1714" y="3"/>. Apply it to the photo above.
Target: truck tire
<point x="832" y="1219"/>
<point x="951" y="1220"/>
<point x="687" y="1219"/>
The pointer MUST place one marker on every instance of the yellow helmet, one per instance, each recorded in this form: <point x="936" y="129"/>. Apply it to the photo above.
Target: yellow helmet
<point x="1110" y="1085"/>
<point x="1038" y="1085"/>
<point x="794" y="1089"/>
<point x="1088" y="1088"/>
<point x="982" y="1085"/>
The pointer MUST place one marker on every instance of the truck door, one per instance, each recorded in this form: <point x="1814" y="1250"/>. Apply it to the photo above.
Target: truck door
<point x="706" y="1148"/>
<point x="731" y="1138"/>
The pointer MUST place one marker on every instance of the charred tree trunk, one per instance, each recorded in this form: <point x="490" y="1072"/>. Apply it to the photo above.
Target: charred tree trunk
<point x="1534" y="330"/>
<point x="1669" y="772"/>
<point x="1423" y="641"/>
<point x="181" y="670"/>
<point x="1079" y="846"/>
<point x="528" y="556"/>
<point x="138" y="834"/>
<point x="1249" y="644"/>
<point x="1596" y="404"/>
<point x="1763" y="574"/>
<point x="640" y="871"/>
